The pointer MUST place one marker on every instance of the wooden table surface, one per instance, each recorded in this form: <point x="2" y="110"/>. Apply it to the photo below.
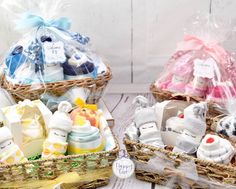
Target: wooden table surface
<point x="120" y="106"/>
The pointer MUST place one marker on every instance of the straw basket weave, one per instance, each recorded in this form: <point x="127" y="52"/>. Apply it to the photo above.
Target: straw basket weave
<point x="93" y="170"/>
<point x="216" y="173"/>
<point x="33" y="92"/>
<point x="161" y="95"/>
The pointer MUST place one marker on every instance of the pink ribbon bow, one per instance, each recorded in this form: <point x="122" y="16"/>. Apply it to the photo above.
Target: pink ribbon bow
<point x="213" y="49"/>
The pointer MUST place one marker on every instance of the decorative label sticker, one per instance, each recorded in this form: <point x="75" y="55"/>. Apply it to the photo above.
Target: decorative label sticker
<point x="54" y="52"/>
<point x="123" y="167"/>
<point x="204" y="68"/>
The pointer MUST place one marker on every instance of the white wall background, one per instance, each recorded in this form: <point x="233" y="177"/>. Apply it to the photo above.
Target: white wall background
<point x="136" y="36"/>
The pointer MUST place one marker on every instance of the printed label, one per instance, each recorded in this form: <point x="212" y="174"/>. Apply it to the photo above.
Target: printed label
<point x="123" y="168"/>
<point x="204" y="68"/>
<point x="54" y="52"/>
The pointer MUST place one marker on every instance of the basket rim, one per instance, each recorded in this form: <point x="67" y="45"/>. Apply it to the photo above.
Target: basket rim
<point x="154" y="89"/>
<point x="107" y="73"/>
<point x="196" y="160"/>
<point x="114" y="150"/>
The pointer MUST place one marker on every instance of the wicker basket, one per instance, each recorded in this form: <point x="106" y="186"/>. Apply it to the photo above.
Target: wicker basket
<point x="161" y="95"/>
<point x="93" y="170"/>
<point x="218" y="173"/>
<point x="96" y="87"/>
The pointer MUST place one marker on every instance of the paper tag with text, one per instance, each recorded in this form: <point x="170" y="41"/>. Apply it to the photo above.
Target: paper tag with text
<point x="123" y="167"/>
<point x="204" y="68"/>
<point x="54" y="52"/>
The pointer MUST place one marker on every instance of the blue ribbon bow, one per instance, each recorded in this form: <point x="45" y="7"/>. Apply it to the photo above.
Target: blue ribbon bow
<point x="63" y="24"/>
<point x="31" y="21"/>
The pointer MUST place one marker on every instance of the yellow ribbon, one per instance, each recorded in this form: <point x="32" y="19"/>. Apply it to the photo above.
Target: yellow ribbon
<point x="82" y="104"/>
<point x="70" y="179"/>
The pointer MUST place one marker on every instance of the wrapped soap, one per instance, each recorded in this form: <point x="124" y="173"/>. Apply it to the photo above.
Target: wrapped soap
<point x="145" y="120"/>
<point x="201" y="67"/>
<point x="10" y="153"/>
<point x="28" y="122"/>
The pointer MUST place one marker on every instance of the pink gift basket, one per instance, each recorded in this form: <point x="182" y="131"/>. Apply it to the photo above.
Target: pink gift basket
<point x="201" y="68"/>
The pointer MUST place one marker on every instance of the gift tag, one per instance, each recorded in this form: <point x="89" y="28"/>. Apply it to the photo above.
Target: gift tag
<point x="123" y="167"/>
<point x="204" y="68"/>
<point x="54" y="52"/>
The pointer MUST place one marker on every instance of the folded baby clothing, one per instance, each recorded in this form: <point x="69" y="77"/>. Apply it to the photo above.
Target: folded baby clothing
<point x="32" y="129"/>
<point x="175" y="124"/>
<point x="15" y="59"/>
<point x="53" y="73"/>
<point x="25" y="74"/>
<point x="28" y="121"/>
<point x="197" y="87"/>
<point x="194" y="128"/>
<point x="85" y="138"/>
<point x="181" y="75"/>
<point x="215" y="149"/>
<point x="132" y="132"/>
<point x="50" y="53"/>
<point x="59" y="126"/>
<point x="227" y="127"/>
<point x="10" y="153"/>
<point x="200" y="67"/>
<point x="186" y="143"/>
<point x="145" y="120"/>
<point x="195" y="118"/>
<point x="32" y="121"/>
<point x="78" y="64"/>
<point x="221" y="92"/>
